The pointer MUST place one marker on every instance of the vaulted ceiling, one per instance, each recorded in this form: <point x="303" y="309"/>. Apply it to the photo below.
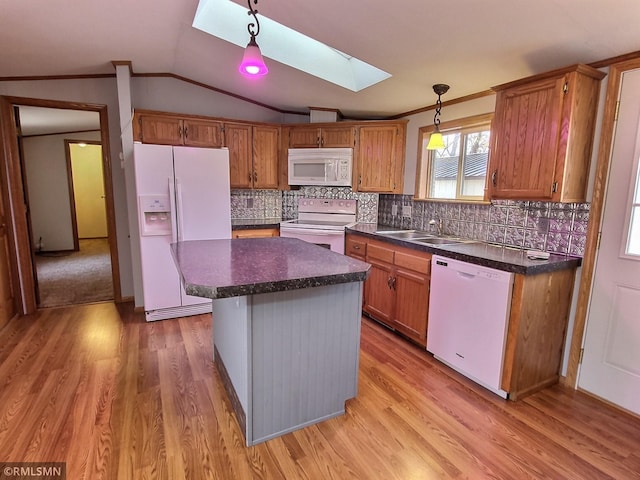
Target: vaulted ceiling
<point x="467" y="44"/>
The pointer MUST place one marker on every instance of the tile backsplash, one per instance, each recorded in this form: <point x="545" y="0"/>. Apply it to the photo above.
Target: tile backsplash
<point x="553" y="227"/>
<point x="260" y="204"/>
<point x="256" y="204"/>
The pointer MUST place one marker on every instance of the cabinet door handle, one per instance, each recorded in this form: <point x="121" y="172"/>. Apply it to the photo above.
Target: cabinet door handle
<point x="389" y="282"/>
<point x="180" y="132"/>
<point x="186" y="132"/>
<point x="494" y="177"/>
<point x="356" y="247"/>
<point x="250" y="176"/>
<point x="393" y="283"/>
<point x="255" y="176"/>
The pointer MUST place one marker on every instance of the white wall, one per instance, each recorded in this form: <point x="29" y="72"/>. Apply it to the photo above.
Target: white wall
<point x="173" y="95"/>
<point x="478" y="106"/>
<point x="48" y="186"/>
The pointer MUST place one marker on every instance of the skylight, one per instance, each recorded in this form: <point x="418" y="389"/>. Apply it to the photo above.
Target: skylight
<point x="228" y="21"/>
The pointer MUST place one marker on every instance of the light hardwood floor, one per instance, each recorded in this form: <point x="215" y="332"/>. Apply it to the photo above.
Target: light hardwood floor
<point x="115" y="397"/>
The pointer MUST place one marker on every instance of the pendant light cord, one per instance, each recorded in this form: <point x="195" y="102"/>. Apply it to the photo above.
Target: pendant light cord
<point x="436" y="116"/>
<point x="252" y="25"/>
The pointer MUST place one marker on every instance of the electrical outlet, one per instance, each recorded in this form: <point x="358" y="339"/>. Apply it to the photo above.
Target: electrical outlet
<point x="394" y="209"/>
<point x="406" y="211"/>
<point x="249" y="202"/>
<point x="543" y="225"/>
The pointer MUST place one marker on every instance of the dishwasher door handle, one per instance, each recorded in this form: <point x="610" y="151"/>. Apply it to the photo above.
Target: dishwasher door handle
<point x="469" y="276"/>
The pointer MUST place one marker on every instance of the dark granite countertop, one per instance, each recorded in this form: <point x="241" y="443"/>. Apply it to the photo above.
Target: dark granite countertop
<point x="232" y="268"/>
<point x="508" y="259"/>
<point x="253" y="223"/>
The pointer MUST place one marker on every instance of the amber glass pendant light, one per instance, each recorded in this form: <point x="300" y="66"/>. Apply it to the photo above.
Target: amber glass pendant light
<point x="436" y="141"/>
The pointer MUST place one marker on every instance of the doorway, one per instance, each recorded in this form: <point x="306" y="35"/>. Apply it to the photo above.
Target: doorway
<point x="81" y="274"/>
<point x="65" y="242"/>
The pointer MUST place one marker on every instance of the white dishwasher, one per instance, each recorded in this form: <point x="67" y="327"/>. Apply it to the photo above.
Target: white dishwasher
<point x="468" y="316"/>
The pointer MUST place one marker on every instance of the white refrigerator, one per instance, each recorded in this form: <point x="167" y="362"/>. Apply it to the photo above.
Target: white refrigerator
<point x="183" y="194"/>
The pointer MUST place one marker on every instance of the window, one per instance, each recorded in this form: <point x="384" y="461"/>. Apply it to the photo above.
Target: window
<point x="633" y="226"/>
<point x="458" y="172"/>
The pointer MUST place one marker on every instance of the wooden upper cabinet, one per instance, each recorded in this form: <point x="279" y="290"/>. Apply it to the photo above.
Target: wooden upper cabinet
<point x="253" y="155"/>
<point x="238" y="139"/>
<point x="266" y="141"/>
<point x="304" y="137"/>
<point x="258" y="152"/>
<point x="338" y="137"/>
<point x="379" y="159"/>
<point x="201" y="133"/>
<point x="160" y="129"/>
<point x="321" y="136"/>
<point x="174" y="130"/>
<point x="542" y="136"/>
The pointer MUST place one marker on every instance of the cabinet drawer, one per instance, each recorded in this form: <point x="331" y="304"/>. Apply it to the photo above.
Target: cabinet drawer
<point x="356" y="247"/>
<point x="255" y="233"/>
<point x="380" y="253"/>
<point x="413" y="262"/>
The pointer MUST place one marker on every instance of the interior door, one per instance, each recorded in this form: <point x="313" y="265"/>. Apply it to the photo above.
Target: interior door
<point x="88" y="190"/>
<point x="611" y="360"/>
<point x="7" y="297"/>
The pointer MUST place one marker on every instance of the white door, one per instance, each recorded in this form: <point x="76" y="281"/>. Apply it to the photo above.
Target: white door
<point x="160" y="279"/>
<point x="203" y="195"/>
<point x="611" y="363"/>
<point x="203" y="198"/>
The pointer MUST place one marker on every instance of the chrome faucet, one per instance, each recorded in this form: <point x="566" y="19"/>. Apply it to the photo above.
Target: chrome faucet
<point x="436" y="222"/>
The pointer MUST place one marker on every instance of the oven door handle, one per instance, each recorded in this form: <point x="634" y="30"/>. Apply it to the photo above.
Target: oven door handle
<point x="311" y="231"/>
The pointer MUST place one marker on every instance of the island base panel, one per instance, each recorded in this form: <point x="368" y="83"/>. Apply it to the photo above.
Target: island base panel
<point x="236" y="406"/>
<point x="301" y="351"/>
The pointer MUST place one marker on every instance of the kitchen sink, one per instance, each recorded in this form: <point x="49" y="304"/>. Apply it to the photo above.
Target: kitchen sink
<point x="406" y="234"/>
<point x="419" y="236"/>
<point x="440" y="241"/>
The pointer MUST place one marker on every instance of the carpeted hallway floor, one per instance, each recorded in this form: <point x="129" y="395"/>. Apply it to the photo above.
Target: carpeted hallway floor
<point x="77" y="277"/>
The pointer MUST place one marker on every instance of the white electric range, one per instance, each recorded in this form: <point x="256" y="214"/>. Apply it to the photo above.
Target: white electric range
<point x="321" y="221"/>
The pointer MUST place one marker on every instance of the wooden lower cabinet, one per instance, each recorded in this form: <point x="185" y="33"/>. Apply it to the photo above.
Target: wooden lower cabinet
<point x="255" y="233"/>
<point x="396" y="293"/>
<point x="356" y="247"/>
<point x="397" y="290"/>
<point x="537" y="330"/>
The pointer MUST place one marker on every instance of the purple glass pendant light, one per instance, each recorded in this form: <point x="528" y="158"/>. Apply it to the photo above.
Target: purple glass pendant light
<point x="252" y="64"/>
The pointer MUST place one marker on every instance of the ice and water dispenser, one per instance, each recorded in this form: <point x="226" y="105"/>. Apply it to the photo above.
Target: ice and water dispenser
<point x="155" y="215"/>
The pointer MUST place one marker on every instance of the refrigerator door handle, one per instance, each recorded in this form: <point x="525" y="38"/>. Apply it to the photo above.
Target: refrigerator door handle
<point x="172" y="201"/>
<point x="179" y="209"/>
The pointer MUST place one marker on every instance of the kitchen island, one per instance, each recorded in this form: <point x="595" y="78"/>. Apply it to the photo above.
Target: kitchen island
<point x="286" y="327"/>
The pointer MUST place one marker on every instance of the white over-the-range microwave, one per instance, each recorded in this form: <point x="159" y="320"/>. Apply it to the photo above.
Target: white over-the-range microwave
<point x="320" y="166"/>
